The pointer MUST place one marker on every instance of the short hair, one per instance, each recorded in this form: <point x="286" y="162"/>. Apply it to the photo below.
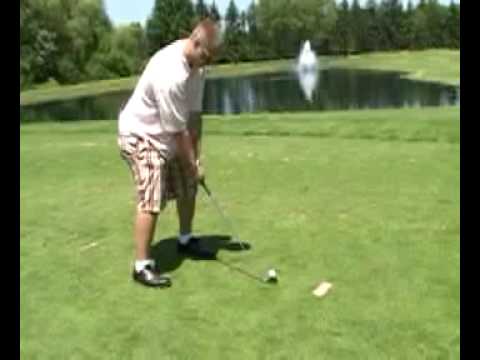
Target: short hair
<point x="211" y="31"/>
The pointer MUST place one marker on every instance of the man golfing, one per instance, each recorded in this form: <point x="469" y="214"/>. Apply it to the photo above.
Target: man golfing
<point x="159" y="138"/>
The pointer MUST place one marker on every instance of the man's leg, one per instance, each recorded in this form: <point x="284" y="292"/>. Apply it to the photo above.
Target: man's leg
<point x="186" y="199"/>
<point x="146" y="165"/>
<point x="144" y="271"/>
<point x="187" y="243"/>
<point x="143" y="233"/>
<point x="186" y="213"/>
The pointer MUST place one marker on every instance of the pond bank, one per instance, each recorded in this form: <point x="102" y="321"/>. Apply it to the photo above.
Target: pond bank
<point x="430" y="65"/>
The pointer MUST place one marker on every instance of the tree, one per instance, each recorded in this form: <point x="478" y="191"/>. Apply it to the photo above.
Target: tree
<point x="170" y="20"/>
<point x="58" y="38"/>
<point x="213" y="12"/>
<point x="358" y="26"/>
<point x="390" y="17"/>
<point x="429" y="25"/>
<point x="422" y="4"/>
<point x="121" y="54"/>
<point x="37" y="43"/>
<point x="452" y="26"/>
<point x="421" y="37"/>
<point x="408" y="27"/>
<point x="286" y="24"/>
<point x="410" y="8"/>
<point x="436" y="18"/>
<point x="373" y="30"/>
<point x="201" y="10"/>
<point x="232" y="16"/>
<point x="80" y="38"/>
<point x="233" y="32"/>
<point x="343" y="33"/>
<point x="254" y="39"/>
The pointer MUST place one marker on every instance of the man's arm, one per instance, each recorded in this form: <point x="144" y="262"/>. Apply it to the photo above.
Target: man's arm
<point x="175" y="115"/>
<point x="194" y="122"/>
<point x="186" y="152"/>
<point x="194" y="126"/>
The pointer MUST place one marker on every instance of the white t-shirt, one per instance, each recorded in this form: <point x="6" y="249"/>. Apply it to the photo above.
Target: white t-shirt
<point x="166" y="93"/>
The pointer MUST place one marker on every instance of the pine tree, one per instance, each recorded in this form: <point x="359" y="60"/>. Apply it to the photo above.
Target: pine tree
<point x="213" y="12"/>
<point x="343" y="34"/>
<point x="391" y="23"/>
<point x="232" y="32"/>
<point x="373" y="28"/>
<point x="408" y="27"/>
<point x="169" y="21"/>
<point x="358" y="26"/>
<point x="453" y="25"/>
<point x="201" y="10"/>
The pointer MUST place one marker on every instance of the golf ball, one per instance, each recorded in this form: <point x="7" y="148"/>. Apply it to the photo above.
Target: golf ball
<point x="272" y="273"/>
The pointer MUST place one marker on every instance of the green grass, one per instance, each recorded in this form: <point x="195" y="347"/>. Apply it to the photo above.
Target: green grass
<point x="251" y="68"/>
<point x="438" y="65"/>
<point x="58" y="93"/>
<point x="367" y="200"/>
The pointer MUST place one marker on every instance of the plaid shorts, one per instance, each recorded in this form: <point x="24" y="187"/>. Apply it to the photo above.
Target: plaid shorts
<point x="156" y="179"/>
<point x="177" y="182"/>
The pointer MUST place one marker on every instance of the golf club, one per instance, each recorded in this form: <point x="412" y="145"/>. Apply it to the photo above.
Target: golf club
<point x="270" y="276"/>
<point x="240" y="270"/>
<point x="222" y="214"/>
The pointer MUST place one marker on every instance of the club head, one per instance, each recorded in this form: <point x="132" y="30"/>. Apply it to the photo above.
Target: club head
<point x="271" y="280"/>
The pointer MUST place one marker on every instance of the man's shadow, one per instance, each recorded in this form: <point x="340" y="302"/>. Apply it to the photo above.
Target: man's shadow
<point x="168" y="259"/>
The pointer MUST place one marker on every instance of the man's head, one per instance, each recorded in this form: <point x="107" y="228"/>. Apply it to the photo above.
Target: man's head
<point x="203" y="43"/>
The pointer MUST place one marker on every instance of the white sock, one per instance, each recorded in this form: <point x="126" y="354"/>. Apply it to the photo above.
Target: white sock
<point x="184" y="238"/>
<point x="140" y="264"/>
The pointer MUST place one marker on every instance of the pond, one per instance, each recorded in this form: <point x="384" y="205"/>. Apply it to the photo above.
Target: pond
<point x="331" y="89"/>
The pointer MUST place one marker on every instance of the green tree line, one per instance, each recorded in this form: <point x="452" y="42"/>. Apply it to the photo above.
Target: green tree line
<point x="70" y="41"/>
<point x="388" y="25"/>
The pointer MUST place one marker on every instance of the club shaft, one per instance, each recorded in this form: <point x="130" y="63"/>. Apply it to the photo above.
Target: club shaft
<point x="222" y="214"/>
<point x="240" y="270"/>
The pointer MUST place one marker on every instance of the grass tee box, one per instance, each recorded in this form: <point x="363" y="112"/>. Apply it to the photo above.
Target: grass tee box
<point x="367" y="200"/>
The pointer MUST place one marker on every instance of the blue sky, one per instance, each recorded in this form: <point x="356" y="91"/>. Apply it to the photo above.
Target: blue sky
<point x="125" y="11"/>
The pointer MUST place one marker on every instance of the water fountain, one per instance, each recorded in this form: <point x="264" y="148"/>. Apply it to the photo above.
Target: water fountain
<point x="307" y="70"/>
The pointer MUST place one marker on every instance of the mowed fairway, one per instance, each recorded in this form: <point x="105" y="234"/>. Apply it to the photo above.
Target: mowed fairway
<point x="367" y="200"/>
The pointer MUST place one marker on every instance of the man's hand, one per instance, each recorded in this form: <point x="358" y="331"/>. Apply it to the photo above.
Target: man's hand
<point x="200" y="172"/>
<point x="196" y="172"/>
<point x="187" y="156"/>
